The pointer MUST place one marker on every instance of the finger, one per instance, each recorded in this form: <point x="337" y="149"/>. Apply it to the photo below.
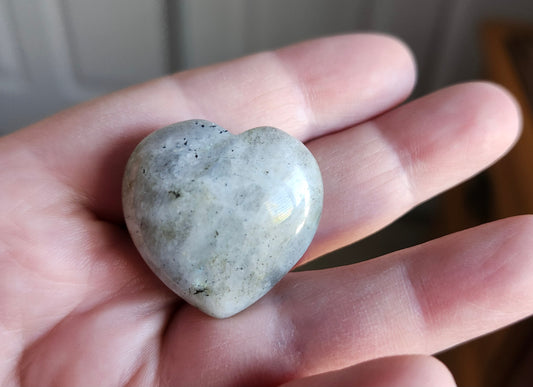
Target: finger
<point x="380" y="169"/>
<point x="397" y="371"/>
<point x="308" y="90"/>
<point x="419" y="300"/>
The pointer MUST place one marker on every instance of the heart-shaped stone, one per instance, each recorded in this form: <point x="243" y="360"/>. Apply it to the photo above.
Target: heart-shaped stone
<point x="221" y="218"/>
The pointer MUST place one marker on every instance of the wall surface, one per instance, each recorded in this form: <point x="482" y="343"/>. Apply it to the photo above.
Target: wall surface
<point x="56" y="53"/>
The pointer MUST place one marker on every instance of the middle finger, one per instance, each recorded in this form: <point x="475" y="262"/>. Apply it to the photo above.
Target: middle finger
<point x="378" y="170"/>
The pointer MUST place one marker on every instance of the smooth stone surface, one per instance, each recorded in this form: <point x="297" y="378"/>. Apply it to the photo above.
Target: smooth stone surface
<point x="221" y="218"/>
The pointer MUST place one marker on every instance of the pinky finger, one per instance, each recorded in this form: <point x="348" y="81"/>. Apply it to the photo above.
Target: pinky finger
<point x="397" y="371"/>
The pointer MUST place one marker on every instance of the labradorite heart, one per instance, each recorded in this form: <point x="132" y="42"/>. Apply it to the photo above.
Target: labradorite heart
<point x="221" y="218"/>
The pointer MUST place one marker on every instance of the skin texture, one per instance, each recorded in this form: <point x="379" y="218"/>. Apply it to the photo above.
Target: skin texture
<point x="79" y="307"/>
<point x="400" y="371"/>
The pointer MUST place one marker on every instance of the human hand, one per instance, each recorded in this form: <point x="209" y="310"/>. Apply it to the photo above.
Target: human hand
<point x="79" y="307"/>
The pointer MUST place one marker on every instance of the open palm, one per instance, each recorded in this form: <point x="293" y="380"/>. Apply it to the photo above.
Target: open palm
<point x="79" y="307"/>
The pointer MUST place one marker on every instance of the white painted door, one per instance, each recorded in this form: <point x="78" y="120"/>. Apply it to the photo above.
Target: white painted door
<point x="55" y="53"/>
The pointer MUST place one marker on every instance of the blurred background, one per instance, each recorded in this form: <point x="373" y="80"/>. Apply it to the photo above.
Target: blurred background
<point x="57" y="53"/>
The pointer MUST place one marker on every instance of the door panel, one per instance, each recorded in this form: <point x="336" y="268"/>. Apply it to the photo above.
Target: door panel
<point x="56" y="53"/>
<point x="116" y="42"/>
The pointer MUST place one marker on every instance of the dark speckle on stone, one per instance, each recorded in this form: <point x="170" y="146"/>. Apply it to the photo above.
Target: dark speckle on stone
<point x="203" y="126"/>
<point x="201" y="290"/>
<point x="195" y="156"/>
<point x="174" y="193"/>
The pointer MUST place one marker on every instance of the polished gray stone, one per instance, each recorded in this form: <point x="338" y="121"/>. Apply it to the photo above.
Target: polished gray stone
<point x="221" y="218"/>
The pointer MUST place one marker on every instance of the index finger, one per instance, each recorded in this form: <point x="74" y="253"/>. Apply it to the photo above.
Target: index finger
<point x="307" y="90"/>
